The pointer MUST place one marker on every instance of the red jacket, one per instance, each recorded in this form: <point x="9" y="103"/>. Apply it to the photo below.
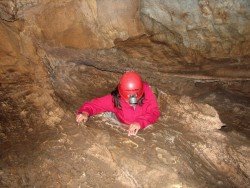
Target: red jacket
<point x="145" y="115"/>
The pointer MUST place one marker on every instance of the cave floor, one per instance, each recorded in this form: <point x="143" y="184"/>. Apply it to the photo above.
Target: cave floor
<point x="100" y="154"/>
<point x="42" y="146"/>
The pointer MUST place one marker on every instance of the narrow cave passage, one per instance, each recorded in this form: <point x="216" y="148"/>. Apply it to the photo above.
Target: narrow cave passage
<point x="56" y="55"/>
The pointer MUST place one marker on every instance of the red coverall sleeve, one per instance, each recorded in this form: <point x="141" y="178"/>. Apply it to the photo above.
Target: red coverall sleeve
<point x="151" y="113"/>
<point x="98" y="105"/>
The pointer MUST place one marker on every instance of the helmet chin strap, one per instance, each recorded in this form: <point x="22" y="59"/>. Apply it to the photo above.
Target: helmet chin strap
<point x="132" y="99"/>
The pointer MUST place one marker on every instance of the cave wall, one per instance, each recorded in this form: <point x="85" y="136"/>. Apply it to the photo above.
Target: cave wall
<point x="29" y="27"/>
<point x="196" y="28"/>
<point x="213" y="29"/>
<point x="77" y="24"/>
<point x="168" y="38"/>
<point x="54" y="56"/>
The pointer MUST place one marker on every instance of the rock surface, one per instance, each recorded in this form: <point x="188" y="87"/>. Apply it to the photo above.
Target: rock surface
<point x="213" y="29"/>
<point x="55" y="55"/>
<point x="82" y="24"/>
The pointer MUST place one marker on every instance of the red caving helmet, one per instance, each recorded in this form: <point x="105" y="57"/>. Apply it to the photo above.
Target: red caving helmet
<point x="130" y="85"/>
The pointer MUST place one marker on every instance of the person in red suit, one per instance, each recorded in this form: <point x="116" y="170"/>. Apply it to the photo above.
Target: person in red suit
<point x="132" y="102"/>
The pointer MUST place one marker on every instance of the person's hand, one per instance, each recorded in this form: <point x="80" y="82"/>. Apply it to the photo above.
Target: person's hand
<point x="83" y="117"/>
<point x="133" y="129"/>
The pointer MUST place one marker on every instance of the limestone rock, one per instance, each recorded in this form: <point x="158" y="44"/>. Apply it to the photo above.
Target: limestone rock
<point x="3" y="136"/>
<point x="8" y="10"/>
<point x="9" y="41"/>
<point x="83" y="24"/>
<point x="195" y="117"/>
<point x="213" y="29"/>
<point x="45" y="78"/>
